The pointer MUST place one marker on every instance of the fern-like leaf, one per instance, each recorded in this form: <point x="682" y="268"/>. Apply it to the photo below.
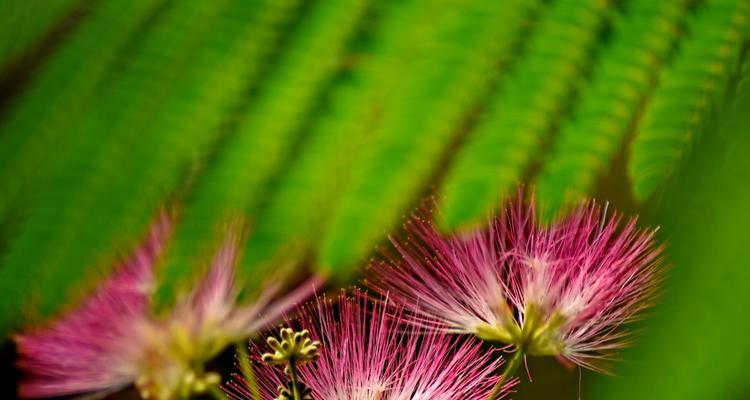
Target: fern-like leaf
<point x="35" y="132"/>
<point x="525" y="109"/>
<point x="24" y="23"/>
<point x="465" y="41"/>
<point x="690" y="88"/>
<point x="159" y="111"/>
<point x="308" y="192"/>
<point x="235" y="181"/>
<point x="705" y="216"/>
<point x="643" y="39"/>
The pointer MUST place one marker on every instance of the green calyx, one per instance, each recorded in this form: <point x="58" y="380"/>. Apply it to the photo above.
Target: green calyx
<point x="537" y="336"/>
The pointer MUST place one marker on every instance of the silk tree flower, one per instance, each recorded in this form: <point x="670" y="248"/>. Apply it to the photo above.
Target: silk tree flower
<point x="364" y="351"/>
<point x="203" y="324"/>
<point x="114" y="340"/>
<point x="562" y="289"/>
<point x="96" y="347"/>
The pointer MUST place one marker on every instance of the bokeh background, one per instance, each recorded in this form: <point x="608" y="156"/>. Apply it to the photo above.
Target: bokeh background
<point x="322" y="123"/>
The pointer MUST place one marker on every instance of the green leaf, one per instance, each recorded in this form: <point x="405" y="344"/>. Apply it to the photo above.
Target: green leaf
<point x="293" y="221"/>
<point x="24" y="23"/>
<point x="36" y="132"/>
<point x="643" y="39"/>
<point x="524" y="110"/>
<point x="696" y="345"/>
<point x="689" y="90"/>
<point x="159" y="110"/>
<point x="443" y="82"/>
<point x="236" y="179"/>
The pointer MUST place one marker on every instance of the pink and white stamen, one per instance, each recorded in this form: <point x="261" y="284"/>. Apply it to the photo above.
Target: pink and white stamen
<point x="564" y="288"/>
<point x="96" y="347"/>
<point x="113" y="339"/>
<point x="368" y="352"/>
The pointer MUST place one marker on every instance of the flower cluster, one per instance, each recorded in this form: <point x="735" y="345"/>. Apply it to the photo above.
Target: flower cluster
<point x="447" y="306"/>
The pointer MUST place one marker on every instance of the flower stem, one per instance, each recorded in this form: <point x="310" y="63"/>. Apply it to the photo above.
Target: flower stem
<point x="510" y="370"/>
<point x="293" y="377"/>
<point x="247" y="370"/>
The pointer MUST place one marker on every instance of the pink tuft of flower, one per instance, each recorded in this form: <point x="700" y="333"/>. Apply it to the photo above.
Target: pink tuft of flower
<point x="114" y="340"/>
<point x="564" y="288"/>
<point x="92" y="348"/>
<point x="204" y="323"/>
<point x="368" y="352"/>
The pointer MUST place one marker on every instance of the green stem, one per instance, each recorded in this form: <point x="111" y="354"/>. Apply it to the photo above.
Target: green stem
<point x="293" y="377"/>
<point x="510" y="370"/>
<point x="247" y="370"/>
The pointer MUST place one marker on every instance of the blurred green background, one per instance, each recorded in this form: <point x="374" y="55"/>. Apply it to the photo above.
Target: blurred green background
<point x="324" y="122"/>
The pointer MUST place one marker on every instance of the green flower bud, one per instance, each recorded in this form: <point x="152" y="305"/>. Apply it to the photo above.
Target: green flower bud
<point x="294" y="347"/>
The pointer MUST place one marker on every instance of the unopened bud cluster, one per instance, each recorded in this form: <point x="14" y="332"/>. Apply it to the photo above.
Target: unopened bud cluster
<point x="294" y="350"/>
<point x="294" y="347"/>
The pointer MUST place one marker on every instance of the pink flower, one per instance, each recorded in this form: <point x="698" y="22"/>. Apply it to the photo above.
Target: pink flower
<point x="563" y="289"/>
<point x="114" y="340"/>
<point x="203" y="324"/>
<point x="92" y="348"/>
<point x="367" y="352"/>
